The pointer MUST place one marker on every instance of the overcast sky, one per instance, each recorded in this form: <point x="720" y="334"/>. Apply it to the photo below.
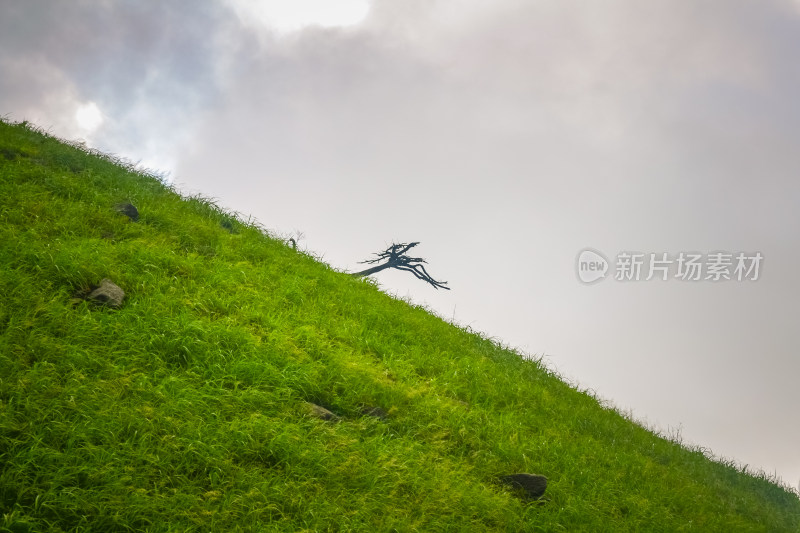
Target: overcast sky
<point x="506" y="136"/>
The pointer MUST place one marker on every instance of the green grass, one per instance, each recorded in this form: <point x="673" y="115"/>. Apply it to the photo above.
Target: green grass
<point x="185" y="409"/>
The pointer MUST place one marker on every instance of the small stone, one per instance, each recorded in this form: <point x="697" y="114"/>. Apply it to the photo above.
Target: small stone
<point x="107" y="293"/>
<point x="321" y="412"/>
<point x="375" y="412"/>
<point x="129" y="210"/>
<point x="229" y="225"/>
<point x="532" y="485"/>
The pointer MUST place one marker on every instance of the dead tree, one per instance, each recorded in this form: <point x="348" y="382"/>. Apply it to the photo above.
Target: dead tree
<point x="395" y="258"/>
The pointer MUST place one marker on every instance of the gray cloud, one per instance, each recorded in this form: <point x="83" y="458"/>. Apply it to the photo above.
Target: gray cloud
<point x="150" y="67"/>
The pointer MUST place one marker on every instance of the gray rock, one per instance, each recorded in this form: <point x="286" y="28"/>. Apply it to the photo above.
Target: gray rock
<point x="375" y="412"/>
<point x="321" y="412"/>
<point x="129" y="210"/>
<point x="532" y="486"/>
<point x="229" y="225"/>
<point x="107" y="293"/>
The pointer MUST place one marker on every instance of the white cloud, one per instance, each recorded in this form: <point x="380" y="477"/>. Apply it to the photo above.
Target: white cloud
<point x="88" y="117"/>
<point x="290" y="16"/>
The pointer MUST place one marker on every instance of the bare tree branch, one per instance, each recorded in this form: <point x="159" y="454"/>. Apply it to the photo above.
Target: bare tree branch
<point x="395" y="258"/>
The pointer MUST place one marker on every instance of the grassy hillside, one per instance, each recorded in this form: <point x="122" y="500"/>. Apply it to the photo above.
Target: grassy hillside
<point x="186" y="408"/>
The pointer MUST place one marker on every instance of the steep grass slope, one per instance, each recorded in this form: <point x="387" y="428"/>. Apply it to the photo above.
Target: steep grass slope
<point x="185" y="409"/>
